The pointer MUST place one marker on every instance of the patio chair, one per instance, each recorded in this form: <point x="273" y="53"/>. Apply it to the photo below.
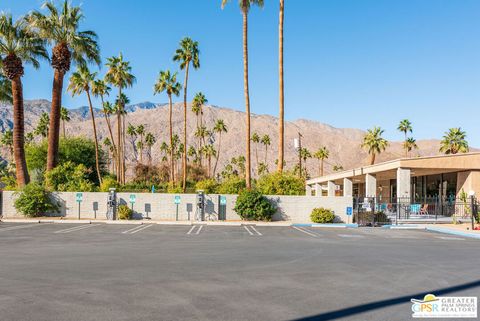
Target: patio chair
<point x="424" y="209"/>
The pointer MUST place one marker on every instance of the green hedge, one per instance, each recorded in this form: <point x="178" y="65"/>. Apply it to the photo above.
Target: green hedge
<point x="322" y="215"/>
<point x="251" y="205"/>
<point x="34" y="200"/>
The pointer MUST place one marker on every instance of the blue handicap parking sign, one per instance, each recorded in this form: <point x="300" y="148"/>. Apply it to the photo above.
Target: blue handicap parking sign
<point x="349" y="211"/>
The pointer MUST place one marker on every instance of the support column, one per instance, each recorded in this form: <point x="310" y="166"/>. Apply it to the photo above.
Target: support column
<point x="318" y="190"/>
<point x="331" y="188"/>
<point x="347" y="187"/>
<point x="370" y="185"/>
<point x="403" y="183"/>
<point x="308" y="190"/>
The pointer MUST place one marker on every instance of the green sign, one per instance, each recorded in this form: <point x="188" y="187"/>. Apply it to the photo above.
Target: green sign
<point x="177" y="199"/>
<point x="79" y="197"/>
<point x="223" y="200"/>
<point x="133" y="198"/>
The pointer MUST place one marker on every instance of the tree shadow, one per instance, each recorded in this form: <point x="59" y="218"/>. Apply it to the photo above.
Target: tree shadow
<point x="342" y="313"/>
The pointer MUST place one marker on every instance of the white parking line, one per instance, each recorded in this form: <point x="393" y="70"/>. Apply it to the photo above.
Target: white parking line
<point x="253" y="228"/>
<point x="304" y="231"/>
<point x="132" y="229"/>
<point x="450" y="238"/>
<point x="190" y="231"/>
<point x="141" y="228"/>
<point x="76" y="228"/>
<point x="249" y="232"/>
<point x="16" y="227"/>
<point x="350" y="235"/>
<point x="199" y="229"/>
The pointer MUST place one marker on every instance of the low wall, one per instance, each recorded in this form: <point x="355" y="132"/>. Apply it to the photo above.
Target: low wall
<point x="162" y="206"/>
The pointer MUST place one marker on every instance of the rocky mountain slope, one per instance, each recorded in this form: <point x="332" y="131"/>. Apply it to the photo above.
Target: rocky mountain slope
<point x="343" y="143"/>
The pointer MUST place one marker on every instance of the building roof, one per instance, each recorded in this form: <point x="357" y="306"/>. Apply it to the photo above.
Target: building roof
<point x="419" y="165"/>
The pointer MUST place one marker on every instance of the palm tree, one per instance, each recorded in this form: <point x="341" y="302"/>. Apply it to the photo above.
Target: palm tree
<point x="454" y="141"/>
<point x="141" y="132"/>
<point x="305" y="154"/>
<point x="187" y="53"/>
<point x="245" y="7"/>
<point x="197" y="107"/>
<point x="150" y="141"/>
<point x="168" y="82"/>
<point x="266" y="142"/>
<point x="18" y="45"/>
<point x="80" y="82"/>
<point x="5" y="88"/>
<point x="219" y="128"/>
<point x="410" y="144"/>
<point x="101" y="89"/>
<point x="108" y="143"/>
<point x="374" y="143"/>
<point x="42" y="126"/>
<point x="209" y="152"/>
<point x="281" y="114"/>
<point x="64" y="117"/>
<point x="256" y="140"/>
<point x="119" y="75"/>
<point x="60" y="27"/>
<point x="7" y="140"/>
<point x="337" y="168"/>
<point x="132" y="132"/>
<point x="321" y="155"/>
<point x="405" y="126"/>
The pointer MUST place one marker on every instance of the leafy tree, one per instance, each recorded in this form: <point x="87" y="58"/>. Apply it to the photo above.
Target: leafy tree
<point x="454" y="141"/>
<point x="20" y="46"/>
<point x="80" y="82"/>
<point x="187" y="53"/>
<point x="219" y="128"/>
<point x="69" y="177"/>
<point x="285" y="183"/>
<point x="245" y="6"/>
<point x="60" y="27"/>
<point x="34" y="200"/>
<point x="374" y="143"/>
<point x="231" y="185"/>
<point x="321" y="155"/>
<point x="405" y="126"/>
<point x="167" y="82"/>
<point x="251" y="205"/>
<point x="209" y="186"/>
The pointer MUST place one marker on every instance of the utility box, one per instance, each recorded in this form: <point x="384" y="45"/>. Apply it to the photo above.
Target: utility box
<point x="200" y="212"/>
<point x="112" y="204"/>
<point x="222" y="207"/>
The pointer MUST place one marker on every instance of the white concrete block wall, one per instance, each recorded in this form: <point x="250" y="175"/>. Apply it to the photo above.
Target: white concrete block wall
<point x="290" y="208"/>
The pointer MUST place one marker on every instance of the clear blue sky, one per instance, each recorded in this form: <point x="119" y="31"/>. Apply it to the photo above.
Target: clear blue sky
<point x="348" y="63"/>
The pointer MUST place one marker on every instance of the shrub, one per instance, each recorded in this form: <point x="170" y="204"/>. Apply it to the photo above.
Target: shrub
<point x="281" y="184"/>
<point x="322" y="215"/>
<point x="107" y="183"/>
<point x="124" y="212"/>
<point x="252" y="205"/>
<point x="209" y="186"/>
<point x="34" y="200"/>
<point x="174" y="189"/>
<point x="231" y="185"/>
<point x="69" y="177"/>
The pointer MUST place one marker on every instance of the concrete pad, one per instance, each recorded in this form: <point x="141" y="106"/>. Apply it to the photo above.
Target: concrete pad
<point x="73" y="222"/>
<point x="221" y="223"/>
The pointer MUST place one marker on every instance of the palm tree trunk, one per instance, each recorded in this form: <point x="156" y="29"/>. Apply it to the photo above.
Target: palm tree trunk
<point x="184" y="177"/>
<point x="54" y="126"/>
<point x="18" y="133"/>
<point x="372" y="159"/>
<point x="321" y="173"/>
<point x="97" y="156"/>
<point x="172" y="170"/>
<point x="406" y="149"/>
<point x="119" y="139"/>
<point x="141" y="148"/>
<point x="247" y="99"/>
<point x="109" y="126"/>
<point x="281" y="116"/>
<point x="218" y="153"/>
<point x="209" y="166"/>
<point x="63" y="128"/>
<point x="266" y="153"/>
<point x="124" y="165"/>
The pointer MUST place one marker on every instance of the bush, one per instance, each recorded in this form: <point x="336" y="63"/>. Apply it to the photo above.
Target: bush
<point x="209" y="186"/>
<point x="231" y="185"/>
<point x="281" y="184"/>
<point x="124" y="212"/>
<point x="253" y="206"/>
<point x="69" y="177"/>
<point x="174" y="189"/>
<point x="107" y="183"/>
<point x="322" y="215"/>
<point x="34" y="200"/>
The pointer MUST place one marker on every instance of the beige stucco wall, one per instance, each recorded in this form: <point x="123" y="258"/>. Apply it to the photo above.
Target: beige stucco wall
<point x="468" y="181"/>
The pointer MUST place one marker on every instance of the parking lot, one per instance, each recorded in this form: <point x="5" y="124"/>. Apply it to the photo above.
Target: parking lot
<point x="172" y="272"/>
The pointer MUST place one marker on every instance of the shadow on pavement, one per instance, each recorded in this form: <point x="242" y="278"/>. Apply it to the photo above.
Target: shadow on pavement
<point x="332" y="315"/>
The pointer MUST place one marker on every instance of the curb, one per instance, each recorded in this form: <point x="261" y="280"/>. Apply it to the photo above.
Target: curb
<point x="404" y="227"/>
<point x="332" y="225"/>
<point x="453" y="232"/>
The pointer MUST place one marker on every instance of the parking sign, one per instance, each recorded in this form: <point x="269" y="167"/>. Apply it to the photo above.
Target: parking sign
<point x="79" y="197"/>
<point x="133" y="198"/>
<point x="349" y="211"/>
<point x="177" y="200"/>
<point x="223" y="200"/>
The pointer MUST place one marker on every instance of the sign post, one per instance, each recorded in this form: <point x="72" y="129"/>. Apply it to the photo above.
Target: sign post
<point x="79" y="198"/>
<point x="349" y="213"/>
<point x="133" y="199"/>
<point x="177" y="202"/>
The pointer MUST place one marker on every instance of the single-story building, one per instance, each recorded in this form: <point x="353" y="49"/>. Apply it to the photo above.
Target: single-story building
<point x="419" y="178"/>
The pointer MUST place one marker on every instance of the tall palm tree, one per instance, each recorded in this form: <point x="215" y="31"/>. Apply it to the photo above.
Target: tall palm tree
<point x="18" y="45"/>
<point x="337" y="168"/>
<point x="266" y="142"/>
<point x="281" y="100"/>
<point x="60" y="27"/>
<point x="132" y="132"/>
<point x="42" y="128"/>
<point x="149" y="142"/>
<point x="256" y="141"/>
<point x="219" y="128"/>
<point x="119" y="74"/>
<point x="101" y="89"/>
<point x="209" y="152"/>
<point x="167" y="82"/>
<point x="187" y="53"/>
<point x="454" y="141"/>
<point x="405" y="126"/>
<point x="197" y="107"/>
<point x="305" y="154"/>
<point x="65" y="118"/>
<point x="80" y="82"/>
<point x="108" y="143"/>
<point x="245" y="8"/>
<point x="410" y="144"/>
<point x="321" y="155"/>
<point x="7" y="140"/>
<point x="374" y="143"/>
<point x="141" y="132"/>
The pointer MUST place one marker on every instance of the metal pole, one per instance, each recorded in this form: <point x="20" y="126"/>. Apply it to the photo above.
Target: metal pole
<point x="79" y="210"/>
<point x="472" y="207"/>
<point x="176" y="216"/>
